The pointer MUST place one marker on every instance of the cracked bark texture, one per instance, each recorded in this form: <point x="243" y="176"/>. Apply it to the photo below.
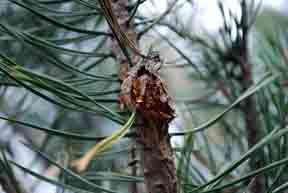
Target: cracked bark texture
<point x="145" y="92"/>
<point x="157" y="159"/>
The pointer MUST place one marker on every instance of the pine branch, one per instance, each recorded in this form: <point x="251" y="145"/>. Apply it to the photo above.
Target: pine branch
<point x="249" y="105"/>
<point x="144" y="91"/>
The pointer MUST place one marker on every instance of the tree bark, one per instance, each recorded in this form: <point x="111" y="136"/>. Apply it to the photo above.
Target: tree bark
<point x="145" y="92"/>
<point x="249" y="105"/>
<point x="120" y="9"/>
<point x="157" y="160"/>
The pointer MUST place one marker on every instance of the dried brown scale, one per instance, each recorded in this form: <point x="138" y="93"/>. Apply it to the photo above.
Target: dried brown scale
<point x="144" y="91"/>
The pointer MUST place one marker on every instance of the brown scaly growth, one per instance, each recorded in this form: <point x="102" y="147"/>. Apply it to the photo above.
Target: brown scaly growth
<point x="144" y="91"/>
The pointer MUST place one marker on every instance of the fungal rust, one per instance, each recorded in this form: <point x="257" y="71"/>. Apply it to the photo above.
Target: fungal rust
<point x="144" y="91"/>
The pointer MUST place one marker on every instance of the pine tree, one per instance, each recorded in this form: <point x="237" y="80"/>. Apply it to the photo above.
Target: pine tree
<point x="97" y="65"/>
